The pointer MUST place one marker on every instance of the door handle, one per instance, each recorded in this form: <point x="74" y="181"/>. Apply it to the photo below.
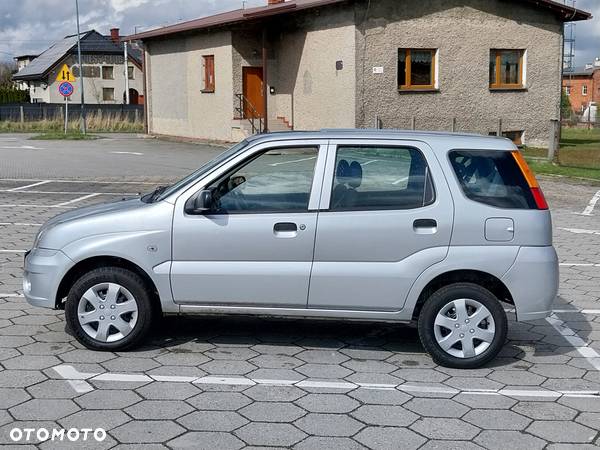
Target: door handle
<point x="283" y="227"/>
<point x="425" y="223"/>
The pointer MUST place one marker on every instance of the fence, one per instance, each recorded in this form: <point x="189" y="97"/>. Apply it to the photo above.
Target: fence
<point x="32" y="112"/>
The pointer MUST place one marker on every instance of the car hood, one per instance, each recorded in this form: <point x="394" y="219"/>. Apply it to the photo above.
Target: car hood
<point x="94" y="210"/>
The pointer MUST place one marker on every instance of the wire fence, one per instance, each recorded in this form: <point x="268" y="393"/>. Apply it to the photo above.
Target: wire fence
<point x="34" y="112"/>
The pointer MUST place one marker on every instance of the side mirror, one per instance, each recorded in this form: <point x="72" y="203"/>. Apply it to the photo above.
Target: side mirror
<point x="201" y="203"/>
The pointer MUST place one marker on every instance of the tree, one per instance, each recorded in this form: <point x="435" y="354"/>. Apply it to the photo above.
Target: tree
<point x="566" y="111"/>
<point x="7" y="69"/>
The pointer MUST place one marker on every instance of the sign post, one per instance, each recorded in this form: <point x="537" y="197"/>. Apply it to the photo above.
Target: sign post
<point x="65" y="77"/>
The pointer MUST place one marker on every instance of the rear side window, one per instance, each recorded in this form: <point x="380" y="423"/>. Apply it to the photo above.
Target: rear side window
<point x="372" y="178"/>
<point x="493" y="178"/>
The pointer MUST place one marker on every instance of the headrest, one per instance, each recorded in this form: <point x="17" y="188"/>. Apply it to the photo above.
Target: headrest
<point x="356" y="174"/>
<point x="343" y="171"/>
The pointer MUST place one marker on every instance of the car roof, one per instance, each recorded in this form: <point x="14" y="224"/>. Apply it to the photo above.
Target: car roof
<point x="436" y="139"/>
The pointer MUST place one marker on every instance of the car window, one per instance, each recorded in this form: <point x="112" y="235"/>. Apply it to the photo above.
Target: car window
<point x="276" y="180"/>
<point x="380" y="178"/>
<point x="492" y="177"/>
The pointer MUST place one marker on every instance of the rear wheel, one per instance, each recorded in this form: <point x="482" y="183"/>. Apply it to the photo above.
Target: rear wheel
<point x="463" y="325"/>
<point x="109" y="308"/>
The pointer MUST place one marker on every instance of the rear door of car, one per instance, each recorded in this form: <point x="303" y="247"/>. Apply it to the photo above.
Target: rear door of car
<point x="386" y="214"/>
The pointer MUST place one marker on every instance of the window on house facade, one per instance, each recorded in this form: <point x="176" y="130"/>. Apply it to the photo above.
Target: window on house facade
<point x="108" y="94"/>
<point x="209" y="73"/>
<point x="584" y="89"/>
<point x="130" y="72"/>
<point x="568" y="90"/>
<point x="416" y="68"/>
<point x="88" y="71"/>
<point x="108" y="73"/>
<point x="506" y="69"/>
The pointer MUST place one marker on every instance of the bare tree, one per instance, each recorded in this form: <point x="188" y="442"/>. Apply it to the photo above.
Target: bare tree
<point x="7" y="69"/>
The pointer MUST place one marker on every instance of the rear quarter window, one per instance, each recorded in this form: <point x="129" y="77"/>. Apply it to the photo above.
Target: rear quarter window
<point x="492" y="177"/>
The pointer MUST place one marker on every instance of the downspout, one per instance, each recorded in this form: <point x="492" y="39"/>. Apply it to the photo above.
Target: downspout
<point x="265" y="79"/>
<point x="146" y="96"/>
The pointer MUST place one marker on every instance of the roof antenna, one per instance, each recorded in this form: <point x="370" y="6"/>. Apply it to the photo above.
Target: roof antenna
<point x="243" y="4"/>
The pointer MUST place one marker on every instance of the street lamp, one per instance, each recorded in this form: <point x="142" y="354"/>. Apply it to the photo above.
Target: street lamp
<point x="82" y="108"/>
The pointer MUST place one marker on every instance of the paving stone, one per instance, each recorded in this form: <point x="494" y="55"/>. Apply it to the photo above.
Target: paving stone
<point x="46" y="348"/>
<point x="545" y="411"/>
<point x="179" y="371"/>
<point x="168" y="391"/>
<point x="206" y="441"/>
<point x="385" y="415"/>
<point x="43" y="409"/>
<point x="86" y="356"/>
<point x="31" y="362"/>
<point x="270" y="434"/>
<point x="122" y="364"/>
<point x="588" y="419"/>
<point x="225" y="367"/>
<point x="212" y="421"/>
<point x="90" y="444"/>
<point x="587" y="404"/>
<point x="436" y="407"/>
<point x="380" y="397"/>
<point x="485" y="401"/>
<point x="108" y="399"/>
<point x="233" y="353"/>
<point x="557" y="371"/>
<point x="444" y="428"/>
<point x="5" y="439"/>
<point x="11" y="396"/>
<point x="276" y="374"/>
<point x="220" y="401"/>
<point x="521" y="377"/>
<point x="262" y="393"/>
<point x="52" y="389"/>
<point x="562" y="431"/>
<point x="496" y="419"/>
<point x="20" y="378"/>
<point x="322" y="356"/>
<point x="147" y="431"/>
<point x="468" y="383"/>
<point x="421" y="375"/>
<point x="328" y="403"/>
<point x="514" y="440"/>
<point x="386" y="438"/>
<point x="328" y="424"/>
<point x="371" y="366"/>
<point x="277" y="349"/>
<point x="158" y="409"/>
<point x="95" y="419"/>
<point x="328" y="443"/>
<point x="182" y="359"/>
<point x="324" y="371"/>
<point x="272" y="412"/>
<point x="368" y="379"/>
<point x="450" y="445"/>
<point x="276" y="362"/>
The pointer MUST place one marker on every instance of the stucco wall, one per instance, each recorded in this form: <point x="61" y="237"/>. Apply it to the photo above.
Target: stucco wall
<point x="178" y="107"/>
<point x="464" y="32"/>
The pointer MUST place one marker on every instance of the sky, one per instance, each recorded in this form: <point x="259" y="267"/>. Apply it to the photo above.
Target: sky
<point x="30" y="26"/>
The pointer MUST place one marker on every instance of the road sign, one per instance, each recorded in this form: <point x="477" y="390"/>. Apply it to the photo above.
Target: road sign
<point x="65" y="74"/>
<point x="65" y="88"/>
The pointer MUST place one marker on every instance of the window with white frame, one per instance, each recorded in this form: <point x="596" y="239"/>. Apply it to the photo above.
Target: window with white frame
<point x="584" y="89"/>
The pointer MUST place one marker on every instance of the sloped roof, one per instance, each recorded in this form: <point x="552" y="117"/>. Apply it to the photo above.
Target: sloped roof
<point x="92" y="42"/>
<point x="563" y="12"/>
<point x="581" y="71"/>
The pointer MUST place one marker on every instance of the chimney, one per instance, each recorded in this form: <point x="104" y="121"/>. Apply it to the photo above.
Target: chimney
<point x="275" y="2"/>
<point x="597" y="62"/>
<point x="114" y="35"/>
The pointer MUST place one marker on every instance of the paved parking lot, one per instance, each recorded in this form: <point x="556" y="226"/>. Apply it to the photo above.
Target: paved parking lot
<point x="251" y="382"/>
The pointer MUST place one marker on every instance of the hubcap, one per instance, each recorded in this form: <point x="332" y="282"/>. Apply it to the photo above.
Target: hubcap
<point x="464" y="328"/>
<point x="107" y="312"/>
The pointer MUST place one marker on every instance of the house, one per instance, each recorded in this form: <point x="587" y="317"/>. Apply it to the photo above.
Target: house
<point x="469" y="65"/>
<point x="103" y="70"/>
<point x="582" y="85"/>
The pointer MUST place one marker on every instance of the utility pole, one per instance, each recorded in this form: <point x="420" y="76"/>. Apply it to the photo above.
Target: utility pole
<point x="82" y="107"/>
<point x="126" y="73"/>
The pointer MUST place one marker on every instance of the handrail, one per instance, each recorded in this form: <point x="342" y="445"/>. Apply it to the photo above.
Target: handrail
<point x="246" y="105"/>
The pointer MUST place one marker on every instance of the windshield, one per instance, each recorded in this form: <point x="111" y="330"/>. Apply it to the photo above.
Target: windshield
<point x="201" y="171"/>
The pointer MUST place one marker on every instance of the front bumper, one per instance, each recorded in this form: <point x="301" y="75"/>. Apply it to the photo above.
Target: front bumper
<point x="44" y="269"/>
<point x="533" y="282"/>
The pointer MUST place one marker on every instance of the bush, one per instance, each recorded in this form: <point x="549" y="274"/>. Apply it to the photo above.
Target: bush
<point x="9" y="94"/>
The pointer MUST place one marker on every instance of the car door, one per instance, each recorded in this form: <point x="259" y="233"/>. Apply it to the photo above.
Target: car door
<point x="255" y="247"/>
<point x="386" y="215"/>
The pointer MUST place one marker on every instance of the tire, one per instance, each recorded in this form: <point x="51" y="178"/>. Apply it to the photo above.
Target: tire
<point x="444" y="321"/>
<point x="120" y="298"/>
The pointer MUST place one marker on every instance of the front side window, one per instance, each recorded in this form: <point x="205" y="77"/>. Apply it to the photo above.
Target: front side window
<point x="108" y="73"/>
<point x="379" y="178"/>
<point x="275" y="181"/>
<point x="108" y="94"/>
<point x="506" y="69"/>
<point x="416" y="68"/>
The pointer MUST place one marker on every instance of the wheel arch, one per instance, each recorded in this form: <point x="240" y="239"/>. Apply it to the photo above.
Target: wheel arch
<point x="91" y="263"/>
<point x="480" y="278"/>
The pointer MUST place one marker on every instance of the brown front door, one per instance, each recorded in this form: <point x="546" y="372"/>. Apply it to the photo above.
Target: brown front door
<point x="252" y="78"/>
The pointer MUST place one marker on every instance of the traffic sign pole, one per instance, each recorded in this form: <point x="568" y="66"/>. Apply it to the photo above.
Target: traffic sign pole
<point x="66" y="90"/>
<point x="66" y="113"/>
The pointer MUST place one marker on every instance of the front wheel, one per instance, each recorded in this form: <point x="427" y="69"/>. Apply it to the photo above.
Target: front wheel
<point x="462" y="325"/>
<point x="109" y="308"/>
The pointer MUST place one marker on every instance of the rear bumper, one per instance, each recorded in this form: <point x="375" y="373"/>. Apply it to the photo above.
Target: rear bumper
<point x="43" y="271"/>
<point x="533" y="282"/>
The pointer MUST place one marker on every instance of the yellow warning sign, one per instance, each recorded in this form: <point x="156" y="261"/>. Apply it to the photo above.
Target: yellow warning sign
<point x="65" y="74"/>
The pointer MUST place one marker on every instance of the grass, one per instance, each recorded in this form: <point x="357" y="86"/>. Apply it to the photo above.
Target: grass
<point x="547" y="168"/>
<point x="105" y="123"/>
<point x="70" y="135"/>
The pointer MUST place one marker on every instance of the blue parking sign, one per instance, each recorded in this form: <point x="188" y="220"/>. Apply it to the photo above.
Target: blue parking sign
<point x="65" y="88"/>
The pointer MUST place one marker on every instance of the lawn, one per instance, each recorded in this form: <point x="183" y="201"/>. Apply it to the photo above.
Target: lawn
<point x="71" y="135"/>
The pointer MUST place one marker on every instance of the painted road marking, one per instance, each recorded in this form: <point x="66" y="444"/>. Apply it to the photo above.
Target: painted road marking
<point x="80" y="382"/>
<point x="19" y="224"/>
<point x="58" y="180"/>
<point x="128" y="153"/>
<point x="16" y="205"/>
<point x="590" y="207"/>
<point x="39" y="183"/>
<point x="21" y="147"/>
<point x="69" y="192"/>
<point x="13" y="251"/>
<point x="292" y="162"/>
<point x="580" y="231"/>
<point x="75" y="200"/>
<point x="579" y="264"/>
<point x="572" y="338"/>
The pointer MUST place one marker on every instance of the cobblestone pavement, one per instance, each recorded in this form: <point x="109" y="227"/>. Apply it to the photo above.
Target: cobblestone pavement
<point x="249" y="382"/>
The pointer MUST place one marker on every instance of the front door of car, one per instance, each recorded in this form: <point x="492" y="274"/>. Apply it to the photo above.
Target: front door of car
<point x="254" y="247"/>
<point x="386" y="215"/>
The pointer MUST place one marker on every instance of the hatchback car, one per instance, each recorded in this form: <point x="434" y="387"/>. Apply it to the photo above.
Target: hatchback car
<point x="442" y="230"/>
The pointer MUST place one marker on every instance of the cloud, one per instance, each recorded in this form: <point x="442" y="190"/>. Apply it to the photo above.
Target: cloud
<point x="587" y="33"/>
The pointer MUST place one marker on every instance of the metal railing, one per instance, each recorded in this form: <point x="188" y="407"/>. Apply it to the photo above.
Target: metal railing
<point x="246" y="110"/>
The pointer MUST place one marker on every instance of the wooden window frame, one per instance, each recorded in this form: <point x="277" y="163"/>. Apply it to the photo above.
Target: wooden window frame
<point x="497" y="85"/>
<point x="209" y="73"/>
<point x="108" y="89"/>
<point x="584" y="89"/>
<point x="408" y="76"/>
<point x="112" y="72"/>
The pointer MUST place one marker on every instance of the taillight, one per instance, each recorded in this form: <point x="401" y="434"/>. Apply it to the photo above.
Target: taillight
<point x="534" y="187"/>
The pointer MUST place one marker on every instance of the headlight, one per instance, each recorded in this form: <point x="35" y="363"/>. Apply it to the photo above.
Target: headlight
<point x="38" y="236"/>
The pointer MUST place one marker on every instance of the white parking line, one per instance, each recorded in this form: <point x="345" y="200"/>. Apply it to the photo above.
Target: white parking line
<point x="13" y="251"/>
<point x="12" y="296"/>
<point x="80" y="382"/>
<point x="16" y="205"/>
<point x="58" y="180"/>
<point x="590" y="207"/>
<point x="67" y="192"/>
<point x="19" y="224"/>
<point x="572" y="338"/>
<point x="75" y="200"/>
<point x="580" y="231"/>
<point x="128" y="153"/>
<point x="569" y="264"/>
<point x="39" y="183"/>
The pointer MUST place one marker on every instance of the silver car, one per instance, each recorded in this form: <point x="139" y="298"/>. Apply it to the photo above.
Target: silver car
<point x="442" y="230"/>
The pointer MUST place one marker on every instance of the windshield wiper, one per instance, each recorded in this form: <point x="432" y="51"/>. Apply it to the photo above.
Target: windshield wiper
<point x="155" y="194"/>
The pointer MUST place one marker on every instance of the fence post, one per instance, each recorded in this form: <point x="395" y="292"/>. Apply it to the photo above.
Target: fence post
<point x="22" y="114"/>
<point x="137" y="115"/>
<point x="554" y="143"/>
<point x="62" y="111"/>
<point x="499" y="131"/>
<point x="413" y="123"/>
<point x="454" y="124"/>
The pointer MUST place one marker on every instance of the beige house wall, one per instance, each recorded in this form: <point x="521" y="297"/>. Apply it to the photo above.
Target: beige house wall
<point x="463" y="32"/>
<point x="177" y="105"/>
